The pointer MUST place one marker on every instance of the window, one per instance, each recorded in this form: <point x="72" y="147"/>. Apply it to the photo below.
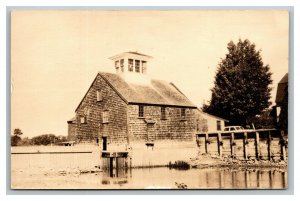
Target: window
<point x="218" y="125"/>
<point x="163" y="112"/>
<point x="122" y="63"/>
<point x="83" y="120"/>
<point x="105" y="117"/>
<point x="137" y="66"/>
<point x="130" y="65"/>
<point x="144" y="66"/>
<point x="182" y="113"/>
<point x="99" y="96"/>
<point x="117" y="64"/>
<point x="141" y="111"/>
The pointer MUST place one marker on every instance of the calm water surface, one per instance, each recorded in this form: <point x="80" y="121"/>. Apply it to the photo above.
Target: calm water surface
<point x="196" y="178"/>
<point x="30" y="171"/>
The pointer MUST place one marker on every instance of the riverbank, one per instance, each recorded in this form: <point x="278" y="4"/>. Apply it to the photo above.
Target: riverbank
<point x="207" y="160"/>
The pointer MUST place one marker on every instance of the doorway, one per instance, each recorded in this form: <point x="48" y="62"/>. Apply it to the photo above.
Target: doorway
<point x="104" y="143"/>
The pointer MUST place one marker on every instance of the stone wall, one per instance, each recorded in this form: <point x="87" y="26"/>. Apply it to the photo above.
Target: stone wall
<point x="153" y="127"/>
<point x="94" y="128"/>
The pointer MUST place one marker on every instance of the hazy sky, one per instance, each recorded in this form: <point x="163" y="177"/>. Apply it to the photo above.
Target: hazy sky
<point x="55" y="55"/>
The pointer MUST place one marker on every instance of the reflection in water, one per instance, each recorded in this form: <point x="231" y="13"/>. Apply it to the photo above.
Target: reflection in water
<point x="38" y="171"/>
<point x="115" y="176"/>
<point x="196" y="178"/>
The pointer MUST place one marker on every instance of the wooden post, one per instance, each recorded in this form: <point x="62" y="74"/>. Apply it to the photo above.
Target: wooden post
<point x="257" y="148"/>
<point x="271" y="178"/>
<point x="246" y="179"/>
<point x="206" y="143"/>
<point x="258" y="178"/>
<point x="221" y="179"/>
<point x="231" y="144"/>
<point x="245" y="146"/>
<point x="111" y="166"/>
<point x="284" y="179"/>
<point x="269" y="144"/>
<point x="283" y="151"/>
<point x="219" y="144"/>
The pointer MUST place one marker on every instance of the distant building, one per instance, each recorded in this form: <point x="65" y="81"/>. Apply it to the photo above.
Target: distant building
<point x="280" y="110"/>
<point x="72" y="123"/>
<point x="208" y="123"/>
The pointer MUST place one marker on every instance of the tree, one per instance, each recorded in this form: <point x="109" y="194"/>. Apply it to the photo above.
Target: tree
<point x="18" y="132"/>
<point x="45" y="139"/>
<point x="242" y="84"/>
<point x="15" y="138"/>
<point x="263" y="121"/>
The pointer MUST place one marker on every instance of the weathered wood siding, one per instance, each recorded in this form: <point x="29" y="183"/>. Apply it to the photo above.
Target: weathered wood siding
<point x="71" y="131"/>
<point x="116" y="128"/>
<point x="174" y="127"/>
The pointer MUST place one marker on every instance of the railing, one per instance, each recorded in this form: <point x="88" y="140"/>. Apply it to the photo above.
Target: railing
<point x="258" y="144"/>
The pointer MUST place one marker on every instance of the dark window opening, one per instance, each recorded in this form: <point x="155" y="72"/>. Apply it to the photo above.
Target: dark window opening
<point x="163" y="112"/>
<point x="144" y="66"/>
<point x="182" y="113"/>
<point x="130" y="65"/>
<point x="137" y="66"/>
<point x="117" y="64"/>
<point x="104" y="143"/>
<point x="141" y="111"/>
<point x="218" y="125"/>
<point x="122" y="63"/>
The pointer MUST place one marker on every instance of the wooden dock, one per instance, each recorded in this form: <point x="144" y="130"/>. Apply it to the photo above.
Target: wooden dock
<point x="260" y="144"/>
<point x="114" y="161"/>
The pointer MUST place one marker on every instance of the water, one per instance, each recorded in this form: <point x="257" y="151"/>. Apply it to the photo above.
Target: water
<point x="212" y="178"/>
<point x="31" y="171"/>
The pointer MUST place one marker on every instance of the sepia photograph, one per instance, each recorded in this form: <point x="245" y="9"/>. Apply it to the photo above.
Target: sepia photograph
<point x="149" y="99"/>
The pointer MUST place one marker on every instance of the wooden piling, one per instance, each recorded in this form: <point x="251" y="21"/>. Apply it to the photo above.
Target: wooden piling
<point x="247" y="180"/>
<point x="269" y="145"/>
<point x="257" y="148"/>
<point x="283" y="147"/>
<point x="206" y="143"/>
<point x="249" y="148"/>
<point x="232" y="147"/>
<point x="245" y="146"/>
<point x="219" y="144"/>
<point x="258" y="178"/>
<point x="221" y="180"/>
<point x="271" y="178"/>
<point x="111" y="166"/>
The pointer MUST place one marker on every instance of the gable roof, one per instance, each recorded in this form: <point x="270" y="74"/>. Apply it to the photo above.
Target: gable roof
<point x="158" y="92"/>
<point x="281" y="89"/>
<point x="73" y="120"/>
<point x="213" y="116"/>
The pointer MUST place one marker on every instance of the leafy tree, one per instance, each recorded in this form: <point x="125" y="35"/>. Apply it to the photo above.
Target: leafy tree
<point x="15" y="138"/>
<point x="263" y="121"/>
<point x="241" y="87"/>
<point x="18" y="132"/>
<point x="45" y="139"/>
<point x="25" y="142"/>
